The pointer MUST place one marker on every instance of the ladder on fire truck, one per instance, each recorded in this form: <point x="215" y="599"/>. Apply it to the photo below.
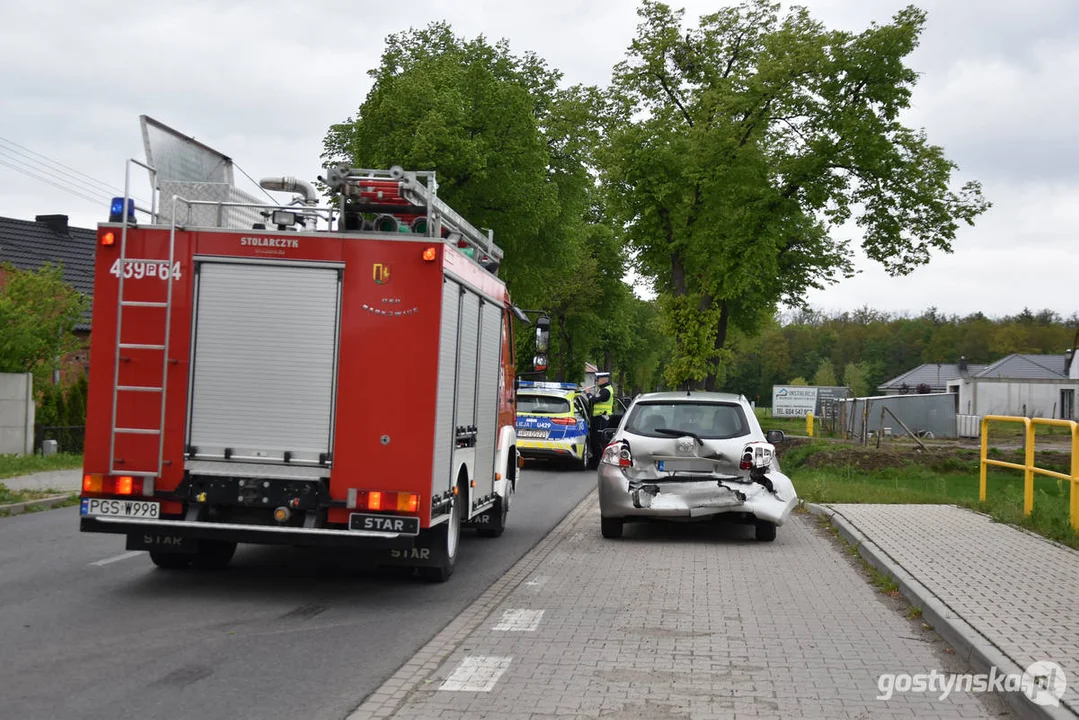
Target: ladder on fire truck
<point x="127" y="214"/>
<point x="398" y="192"/>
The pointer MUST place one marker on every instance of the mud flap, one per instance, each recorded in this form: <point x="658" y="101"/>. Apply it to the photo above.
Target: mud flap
<point x="162" y="542"/>
<point x="489" y="519"/>
<point x="426" y="551"/>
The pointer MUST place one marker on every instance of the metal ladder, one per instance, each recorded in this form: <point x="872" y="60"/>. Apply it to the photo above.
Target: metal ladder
<point x="163" y="347"/>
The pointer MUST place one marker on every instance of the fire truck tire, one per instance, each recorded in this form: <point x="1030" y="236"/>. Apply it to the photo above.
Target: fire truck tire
<point x="447" y="540"/>
<point x="170" y="561"/>
<point x="214" y="554"/>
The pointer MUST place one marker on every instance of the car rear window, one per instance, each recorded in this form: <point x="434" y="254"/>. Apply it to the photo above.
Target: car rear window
<point x="542" y="405"/>
<point x="707" y="420"/>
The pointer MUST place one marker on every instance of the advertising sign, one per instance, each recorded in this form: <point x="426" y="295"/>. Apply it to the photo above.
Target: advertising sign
<point x="793" y="400"/>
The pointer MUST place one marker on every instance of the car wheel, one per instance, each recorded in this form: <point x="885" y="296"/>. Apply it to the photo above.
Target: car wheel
<point x="170" y="561"/>
<point x="766" y="531"/>
<point x="447" y="540"/>
<point x="610" y="527"/>
<point x="214" y="554"/>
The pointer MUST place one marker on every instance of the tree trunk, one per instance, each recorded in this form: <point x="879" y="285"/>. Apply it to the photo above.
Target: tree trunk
<point x="721" y="339"/>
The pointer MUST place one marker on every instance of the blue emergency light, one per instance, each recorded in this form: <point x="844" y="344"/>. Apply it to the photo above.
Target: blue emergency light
<point x="116" y="210"/>
<point x="546" y="385"/>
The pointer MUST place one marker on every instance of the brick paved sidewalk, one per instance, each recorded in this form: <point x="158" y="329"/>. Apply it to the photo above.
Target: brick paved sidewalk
<point x="675" y="622"/>
<point x="1013" y="592"/>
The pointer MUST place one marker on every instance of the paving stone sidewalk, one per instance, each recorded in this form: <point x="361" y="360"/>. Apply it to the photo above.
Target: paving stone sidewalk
<point x="1017" y="591"/>
<point x="675" y="622"/>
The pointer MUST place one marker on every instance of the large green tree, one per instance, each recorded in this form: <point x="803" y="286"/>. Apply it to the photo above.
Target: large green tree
<point x="736" y="148"/>
<point x="512" y="150"/>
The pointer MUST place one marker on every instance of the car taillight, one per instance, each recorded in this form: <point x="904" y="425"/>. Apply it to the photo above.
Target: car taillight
<point x="618" y="454"/>
<point x="747" y="459"/>
<point x="392" y="501"/>
<point x="564" y="421"/>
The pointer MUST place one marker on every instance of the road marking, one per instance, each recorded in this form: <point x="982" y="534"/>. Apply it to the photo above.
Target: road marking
<point x="520" y="620"/>
<point x="118" y="558"/>
<point x="476" y="674"/>
<point x="538" y="581"/>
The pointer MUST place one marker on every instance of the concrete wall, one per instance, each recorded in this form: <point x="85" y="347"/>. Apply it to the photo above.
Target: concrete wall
<point x="16" y="414"/>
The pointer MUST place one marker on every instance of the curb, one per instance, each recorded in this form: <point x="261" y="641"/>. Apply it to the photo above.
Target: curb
<point x="968" y="643"/>
<point x="43" y="503"/>
<point x="391" y="695"/>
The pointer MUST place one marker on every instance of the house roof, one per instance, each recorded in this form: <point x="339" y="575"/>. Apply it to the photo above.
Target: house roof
<point x="29" y="244"/>
<point x="935" y="375"/>
<point x="1018" y="366"/>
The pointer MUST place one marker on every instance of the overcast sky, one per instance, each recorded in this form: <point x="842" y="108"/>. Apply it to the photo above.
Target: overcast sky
<point x="262" y="81"/>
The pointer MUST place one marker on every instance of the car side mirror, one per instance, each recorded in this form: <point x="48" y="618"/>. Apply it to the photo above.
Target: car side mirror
<point x="775" y="436"/>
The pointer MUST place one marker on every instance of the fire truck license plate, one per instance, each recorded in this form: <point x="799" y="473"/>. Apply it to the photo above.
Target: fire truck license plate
<point x="121" y="508"/>
<point x="384" y="523"/>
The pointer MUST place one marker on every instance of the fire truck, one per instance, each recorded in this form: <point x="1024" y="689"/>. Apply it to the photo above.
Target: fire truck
<point x="258" y="379"/>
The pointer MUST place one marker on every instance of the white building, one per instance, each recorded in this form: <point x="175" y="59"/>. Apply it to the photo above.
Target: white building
<point x="1021" y="385"/>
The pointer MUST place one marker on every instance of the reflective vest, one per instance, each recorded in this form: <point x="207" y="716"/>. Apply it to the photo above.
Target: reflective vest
<point x="603" y="407"/>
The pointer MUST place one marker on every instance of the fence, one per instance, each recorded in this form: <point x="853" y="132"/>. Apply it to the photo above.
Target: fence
<point x="1028" y="467"/>
<point x="70" y="439"/>
<point x="931" y="415"/>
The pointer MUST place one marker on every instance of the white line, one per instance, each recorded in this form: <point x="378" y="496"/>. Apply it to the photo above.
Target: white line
<point x="520" y="620"/>
<point x="118" y="558"/>
<point x="476" y="674"/>
<point x="537" y="582"/>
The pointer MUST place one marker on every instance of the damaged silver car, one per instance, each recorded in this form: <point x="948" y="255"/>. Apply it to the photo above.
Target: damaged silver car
<point x="693" y="456"/>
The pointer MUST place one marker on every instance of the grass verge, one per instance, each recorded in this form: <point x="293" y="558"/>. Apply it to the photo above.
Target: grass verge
<point x="15" y="465"/>
<point x="840" y="473"/>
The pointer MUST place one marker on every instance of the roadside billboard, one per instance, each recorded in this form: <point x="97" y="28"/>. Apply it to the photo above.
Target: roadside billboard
<point x="793" y="400"/>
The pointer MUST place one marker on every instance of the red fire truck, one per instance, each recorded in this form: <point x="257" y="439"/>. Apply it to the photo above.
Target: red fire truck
<point x="273" y="383"/>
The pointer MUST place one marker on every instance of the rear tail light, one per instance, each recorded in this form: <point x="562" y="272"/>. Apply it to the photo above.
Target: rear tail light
<point x="617" y="454"/>
<point x="111" y="485"/>
<point x="747" y="459"/>
<point x="390" y="501"/>
<point x="564" y="421"/>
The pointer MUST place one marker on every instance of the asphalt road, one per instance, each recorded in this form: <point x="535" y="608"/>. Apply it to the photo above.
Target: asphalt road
<point x="88" y="630"/>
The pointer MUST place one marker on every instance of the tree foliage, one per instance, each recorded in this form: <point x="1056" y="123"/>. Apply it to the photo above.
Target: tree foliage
<point x="735" y="149"/>
<point x="38" y="315"/>
<point x="873" y="347"/>
<point x="512" y="151"/>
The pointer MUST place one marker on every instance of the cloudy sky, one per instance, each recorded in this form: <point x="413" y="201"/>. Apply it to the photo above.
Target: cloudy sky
<point x="262" y="81"/>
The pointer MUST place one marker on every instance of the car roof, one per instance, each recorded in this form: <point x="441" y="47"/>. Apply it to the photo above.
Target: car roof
<point x="690" y="396"/>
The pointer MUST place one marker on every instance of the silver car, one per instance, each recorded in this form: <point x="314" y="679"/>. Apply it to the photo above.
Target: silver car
<point x="691" y="456"/>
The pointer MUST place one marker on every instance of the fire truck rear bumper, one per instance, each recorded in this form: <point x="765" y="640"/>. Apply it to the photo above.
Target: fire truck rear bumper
<point x="256" y="534"/>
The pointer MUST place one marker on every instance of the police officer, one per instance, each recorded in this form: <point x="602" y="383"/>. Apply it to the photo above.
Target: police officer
<point x="603" y="399"/>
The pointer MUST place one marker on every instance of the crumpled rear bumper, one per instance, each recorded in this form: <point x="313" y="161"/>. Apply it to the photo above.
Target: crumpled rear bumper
<point x="618" y="497"/>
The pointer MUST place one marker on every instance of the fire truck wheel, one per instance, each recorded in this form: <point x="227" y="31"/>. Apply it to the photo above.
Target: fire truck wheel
<point x="170" y="561"/>
<point x="446" y="541"/>
<point x="214" y="554"/>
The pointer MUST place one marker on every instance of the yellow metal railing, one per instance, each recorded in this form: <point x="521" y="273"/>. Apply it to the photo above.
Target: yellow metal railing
<point x="1028" y="468"/>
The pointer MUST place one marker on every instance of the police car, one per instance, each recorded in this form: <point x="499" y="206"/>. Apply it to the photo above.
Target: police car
<point x="552" y="423"/>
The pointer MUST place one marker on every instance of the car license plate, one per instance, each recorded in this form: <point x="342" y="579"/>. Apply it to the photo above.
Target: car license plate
<point x="684" y="465"/>
<point x="532" y="433"/>
<point x="384" y="523"/>
<point x="120" y="508"/>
